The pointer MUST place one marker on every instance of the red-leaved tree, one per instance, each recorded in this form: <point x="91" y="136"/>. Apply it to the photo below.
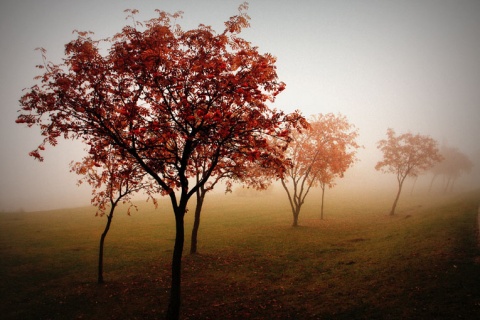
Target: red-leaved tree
<point x="159" y="96"/>
<point x="406" y="155"/>
<point x="114" y="179"/>
<point x="318" y="155"/>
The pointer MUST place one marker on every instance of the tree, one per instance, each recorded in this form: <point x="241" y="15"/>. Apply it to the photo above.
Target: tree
<point x="241" y="170"/>
<point x="406" y="155"/>
<point x="113" y="180"/>
<point x="318" y="155"/>
<point x="454" y="164"/>
<point x="158" y="96"/>
<point x="338" y="152"/>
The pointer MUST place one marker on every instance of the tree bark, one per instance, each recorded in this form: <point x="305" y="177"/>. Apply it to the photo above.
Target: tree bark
<point x="296" y="213"/>
<point x="295" y="220"/>
<point x="173" y="312"/>
<point x="102" y="241"/>
<point x="295" y="203"/>
<point x="392" y="212"/>
<point x="196" y="222"/>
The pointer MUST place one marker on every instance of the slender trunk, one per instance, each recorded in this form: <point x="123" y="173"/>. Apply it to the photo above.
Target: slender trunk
<point x="294" y="204"/>
<point x="296" y="211"/>
<point x="413" y="186"/>
<point x="173" y="311"/>
<point x="448" y="184"/>
<point x="196" y="222"/>
<point x="323" y="196"/>
<point x="295" y="217"/>
<point x="431" y="182"/>
<point x="392" y="212"/>
<point x="102" y="241"/>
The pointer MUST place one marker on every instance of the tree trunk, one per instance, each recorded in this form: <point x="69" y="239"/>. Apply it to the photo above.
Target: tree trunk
<point x="173" y="311"/>
<point x="296" y="213"/>
<point x="449" y="179"/>
<point x="295" y="220"/>
<point x="392" y="212"/>
<point x="294" y="204"/>
<point x="323" y="196"/>
<point x="413" y="186"/>
<point x="102" y="241"/>
<point x="431" y="182"/>
<point x="196" y="222"/>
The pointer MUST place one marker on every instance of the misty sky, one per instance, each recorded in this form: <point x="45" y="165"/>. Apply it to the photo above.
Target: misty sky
<point x="410" y="65"/>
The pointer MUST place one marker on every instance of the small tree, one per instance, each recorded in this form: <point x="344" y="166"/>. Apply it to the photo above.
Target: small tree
<point x="318" y="155"/>
<point x="113" y="180"/>
<point x="241" y="170"/>
<point x="338" y="154"/>
<point x="406" y="155"/>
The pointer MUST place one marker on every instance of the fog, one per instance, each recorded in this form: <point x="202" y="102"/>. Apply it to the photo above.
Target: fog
<point x="410" y="66"/>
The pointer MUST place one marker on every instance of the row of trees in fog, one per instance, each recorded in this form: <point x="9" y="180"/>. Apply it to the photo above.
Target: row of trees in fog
<point x="172" y="113"/>
<point x="454" y="164"/>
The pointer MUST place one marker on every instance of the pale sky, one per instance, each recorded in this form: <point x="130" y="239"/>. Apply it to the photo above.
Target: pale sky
<point x="409" y="65"/>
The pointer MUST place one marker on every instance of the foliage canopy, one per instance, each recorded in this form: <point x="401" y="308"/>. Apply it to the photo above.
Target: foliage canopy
<point x="169" y="100"/>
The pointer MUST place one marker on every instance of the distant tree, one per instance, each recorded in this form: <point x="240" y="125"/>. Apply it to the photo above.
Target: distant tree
<point x="339" y="149"/>
<point x="406" y="155"/>
<point x="240" y="170"/>
<point x="454" y="164"/>
<point x="158" y="95"/>
<point x="318" y="155"/>
<point x="113" y="180"/>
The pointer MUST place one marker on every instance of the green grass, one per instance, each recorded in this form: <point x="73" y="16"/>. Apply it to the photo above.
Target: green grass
<point x="358" y="263"/>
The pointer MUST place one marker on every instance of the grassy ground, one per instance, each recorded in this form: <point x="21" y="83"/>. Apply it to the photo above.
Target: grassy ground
<point x="358" y="263"/>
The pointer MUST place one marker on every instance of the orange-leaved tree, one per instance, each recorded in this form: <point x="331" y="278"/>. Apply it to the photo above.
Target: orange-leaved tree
<point x="318" y="155"/>
<point x="339" y="148"/>
<point x="406" y="155"/>
<point x="114" y="180"/>
<point x="158" y="96"/>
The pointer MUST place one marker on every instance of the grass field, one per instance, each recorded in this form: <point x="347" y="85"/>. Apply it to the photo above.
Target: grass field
<point x="358" y="263"/>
